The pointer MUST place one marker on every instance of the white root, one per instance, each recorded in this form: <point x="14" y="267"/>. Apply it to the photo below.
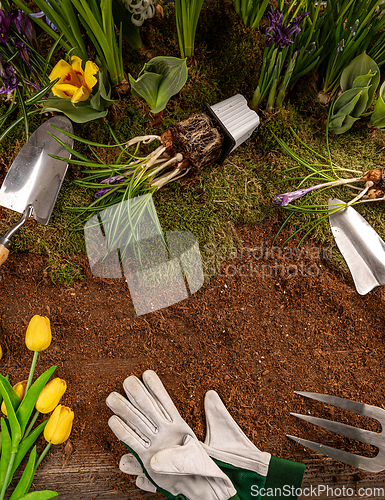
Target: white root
<point x="368" y="185"/>
<point x="146" y="139"/>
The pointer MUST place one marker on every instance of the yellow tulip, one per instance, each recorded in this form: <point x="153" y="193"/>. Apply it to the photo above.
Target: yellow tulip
<point x="38" y="336"/>
<point x="75" y="83"/>
<point x="50" y="395"/>
<point x="59" y="425"/>
<point x="20" y="391"/>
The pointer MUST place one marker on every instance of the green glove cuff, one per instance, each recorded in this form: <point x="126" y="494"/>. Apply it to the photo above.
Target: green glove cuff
<point x="284" y="476"/>
<point x="244" y="481"/>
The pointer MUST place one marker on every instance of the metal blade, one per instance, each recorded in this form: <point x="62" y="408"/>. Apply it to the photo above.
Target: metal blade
<point x="373" y="438"/>
<point x="34" y="178"/>
<point x="365" y="463"/>
<point x="360" y="245"/>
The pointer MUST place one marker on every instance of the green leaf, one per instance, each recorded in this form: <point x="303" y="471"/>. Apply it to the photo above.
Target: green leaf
<point x="26" y="407"/>
<point x="5" y="450"/>
<point x="26" y="479"/>
<point x="146" y="87"/>
<point x="13" y="421"/>
<point x="341" y="123"/>
<point x="378" y="116"/>
<point x="81" y="113"/>
<point x="351" y="102"/>
<point x="39" y="495"/>
<point x="130" y="32"/>
<point x="361" y="65"/>
<point x="363" y="80"/>
<point x="26" y="444"/>
<point x="160" y="79"/>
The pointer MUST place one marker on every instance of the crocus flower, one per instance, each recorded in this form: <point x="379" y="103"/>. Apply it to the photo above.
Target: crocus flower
<point x="284" y="199"/>
<point x="50" y="395"/>
<point x="8" y="78"/>
<point x="25" y="27"/>
<point x="75" y="83"/>
<point x="59" y="425"/>
<point x="19" y="388"/>
<point x="116" y="179"/>
<point x="38" y="336"/>
<point x="280" y="33"/>
<point x="5" y="24"/>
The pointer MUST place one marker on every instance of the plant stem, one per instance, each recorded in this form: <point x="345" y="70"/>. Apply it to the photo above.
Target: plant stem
<point x="33" y="421"/>
<point x="31" y="371"/>
<point x="43" y="454"/>
<point x="7" y="475"/>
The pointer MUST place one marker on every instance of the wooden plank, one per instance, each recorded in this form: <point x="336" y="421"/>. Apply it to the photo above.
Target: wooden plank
<point x="92" y="475"/>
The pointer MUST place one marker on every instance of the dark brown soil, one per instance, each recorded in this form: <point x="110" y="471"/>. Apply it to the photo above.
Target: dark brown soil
<point x="289" y="323"/>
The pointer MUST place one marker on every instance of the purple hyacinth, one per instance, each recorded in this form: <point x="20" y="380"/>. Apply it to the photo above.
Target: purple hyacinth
<point x="279" y="33"/>
<point x="8" y="78"/>
<point x="284" y="199"/>
<point x="5" y="24"/>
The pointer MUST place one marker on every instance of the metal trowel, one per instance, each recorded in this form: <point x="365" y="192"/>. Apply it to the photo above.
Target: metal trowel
<point x="34" y="179"/>
<point x="360" y="245"/>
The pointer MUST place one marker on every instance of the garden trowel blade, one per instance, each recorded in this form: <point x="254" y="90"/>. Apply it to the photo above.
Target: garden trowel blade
<point x="360" y="245"/>
<point x="35" y="178"/>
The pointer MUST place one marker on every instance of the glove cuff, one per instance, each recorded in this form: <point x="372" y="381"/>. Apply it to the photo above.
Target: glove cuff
<point x="284" y="476"/>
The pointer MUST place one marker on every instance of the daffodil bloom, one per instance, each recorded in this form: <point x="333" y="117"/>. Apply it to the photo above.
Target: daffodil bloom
<point x="75" y="83"/>
<point x="59" y="425"/>
<point x="50" y="395"/>
<point x="19" y="388"/>
<point x="38" y="336"/>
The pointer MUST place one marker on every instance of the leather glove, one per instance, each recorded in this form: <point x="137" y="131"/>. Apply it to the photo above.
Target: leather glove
<point x="253" y="473"/>
<point x="164" y="446"/>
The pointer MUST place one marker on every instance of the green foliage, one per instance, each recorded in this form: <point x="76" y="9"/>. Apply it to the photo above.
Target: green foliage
<point x="251" y="11"/>
<point x="187" y="13"/>
<point x="159" y="80"/>
<point x="359" y="82"/>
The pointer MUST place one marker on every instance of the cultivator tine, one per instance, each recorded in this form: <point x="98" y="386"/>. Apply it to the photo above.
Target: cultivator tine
<point x="345" y="430"/>
<point x="365" y="463"/>
<point x="377" y="439"/>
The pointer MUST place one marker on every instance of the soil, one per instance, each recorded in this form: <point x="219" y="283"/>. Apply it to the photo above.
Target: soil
<point x="285" y="321"/>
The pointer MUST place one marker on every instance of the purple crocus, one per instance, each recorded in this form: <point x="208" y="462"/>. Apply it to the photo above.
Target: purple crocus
<point x="8" y="78"/>
<point x="5" y="24"/>
<point x="116" y="179"/>
<point x="25" y="27"/>
<point x="279" y="33"/>
<point x="284" y="199"/>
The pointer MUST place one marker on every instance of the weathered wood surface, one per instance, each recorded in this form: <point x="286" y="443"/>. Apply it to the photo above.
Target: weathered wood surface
<point x="89" y="475"/>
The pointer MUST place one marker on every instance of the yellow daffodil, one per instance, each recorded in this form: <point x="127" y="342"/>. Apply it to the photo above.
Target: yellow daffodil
<point x="75" y="83"/>
<point x="19" y="388"/>
<point x="50" y="395"/>
<point x="59" y="425"/>
<point x="38" y="336"/>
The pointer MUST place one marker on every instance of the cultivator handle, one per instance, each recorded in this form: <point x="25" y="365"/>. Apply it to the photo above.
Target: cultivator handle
<point x="4" y="252"/>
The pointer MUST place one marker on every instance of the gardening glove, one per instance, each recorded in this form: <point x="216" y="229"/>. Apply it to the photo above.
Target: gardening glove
<point x="253" y="473"/>
<point x="164" y="445"/>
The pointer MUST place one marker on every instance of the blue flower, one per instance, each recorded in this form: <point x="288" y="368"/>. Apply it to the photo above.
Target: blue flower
<point x="279" y="33"/>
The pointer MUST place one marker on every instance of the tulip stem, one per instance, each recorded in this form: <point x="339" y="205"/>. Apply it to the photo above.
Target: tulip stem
<point x="43" y="454"/>
<point x="7" y="475"/>
<point x="33" y="421"/>
<point x="31" y="371"/>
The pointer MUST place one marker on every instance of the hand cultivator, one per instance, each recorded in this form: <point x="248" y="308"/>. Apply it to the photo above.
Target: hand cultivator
<point x="376" y="464"/>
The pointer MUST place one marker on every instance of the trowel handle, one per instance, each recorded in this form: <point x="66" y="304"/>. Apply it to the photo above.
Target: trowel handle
<point x="5" y="241"/>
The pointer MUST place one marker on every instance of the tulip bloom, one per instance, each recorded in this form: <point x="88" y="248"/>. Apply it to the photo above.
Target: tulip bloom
<point x="19" y="388"/>
<point x="38" y="336"/>
<point x="75" y="83"/>
<point x="50" y="395"/>
<point x="59" y="425"/>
